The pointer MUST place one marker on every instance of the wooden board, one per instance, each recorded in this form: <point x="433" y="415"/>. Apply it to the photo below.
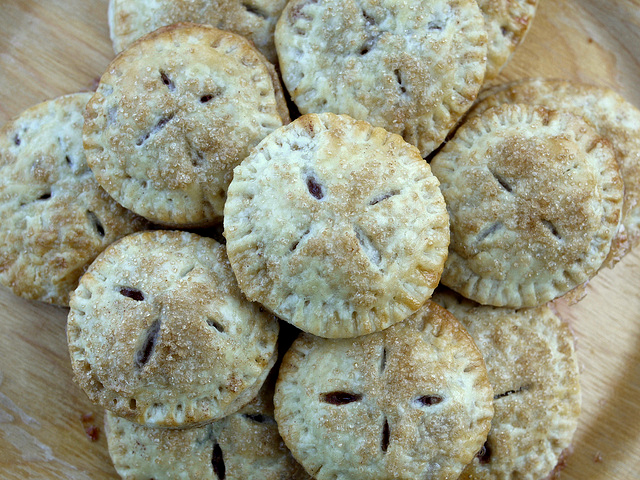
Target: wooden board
<point x="52" y="48"/>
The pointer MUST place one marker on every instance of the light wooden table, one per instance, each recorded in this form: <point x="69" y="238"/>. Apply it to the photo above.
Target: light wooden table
<point x="52" y="48"/>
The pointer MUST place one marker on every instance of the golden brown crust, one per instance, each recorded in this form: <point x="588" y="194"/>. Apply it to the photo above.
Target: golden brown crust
<point x="159" y="332"/>
<point x="412" y="401"/>
<point x="411" y="67"/>
<point x="173" y="115"/>
<point x="533" y="368"/>
<point x="336" y="226"/>
<point x="507" y="23"/>
<point x="256" y="19"/>
<point x="612" y="116"/>
<point x="245" y="445"/>
<point x="534" y="197"/>
<point x="55" y="218"/>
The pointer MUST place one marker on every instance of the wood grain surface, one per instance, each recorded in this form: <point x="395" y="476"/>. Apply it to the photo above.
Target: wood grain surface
<point x="52" y="48"/>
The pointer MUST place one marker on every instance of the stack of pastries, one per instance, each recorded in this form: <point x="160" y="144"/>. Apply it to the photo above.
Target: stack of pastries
<point x="299" y="240"/>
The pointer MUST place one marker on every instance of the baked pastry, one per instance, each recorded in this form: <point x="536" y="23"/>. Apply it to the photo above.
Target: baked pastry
<point x="55" y="217"/>
<point x="412" y="401"/>
<point x="533" y="369"/>
<point x="613" y="117"/>
<point x="255" y="20"/>
<point x="534" y="198"/>
<point x="173" y="115"/>
<point x="160" y="334"/>
<point x="336" y="226"/>
<point x="507" y="23"/>
<point x="245" y="445"/>
<point x="411" y="67"/>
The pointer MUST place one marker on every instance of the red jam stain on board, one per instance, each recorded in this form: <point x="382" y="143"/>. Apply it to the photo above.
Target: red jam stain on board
<point x="90" y="429"/>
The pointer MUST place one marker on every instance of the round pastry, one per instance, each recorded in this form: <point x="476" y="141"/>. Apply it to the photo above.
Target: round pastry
<point x="412" y="401"/>
<point x="507" y="23"/>
<point x="613" y="117"/>
<point x="173" y="115"/>
<point x="55" y="217"/>
<point x="533" y="369"/>
<point x="534" y="198"/>
<point x="245" y="445"/>
<point x="255" y="20"/>
<point x="160" y="334"/>
<point x="411" y="67"/>
<point x="336" y="226"/>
